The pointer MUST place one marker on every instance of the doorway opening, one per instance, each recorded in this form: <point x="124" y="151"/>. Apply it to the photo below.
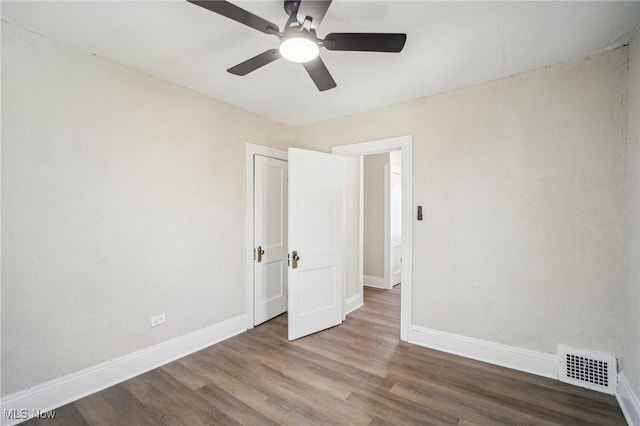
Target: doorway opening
<point x="351" y="154"/>
<point x="381" y="224"/>
<point x="382" y="219"/>
<point x="266" y="269"/>
<point x="403" y="144"/>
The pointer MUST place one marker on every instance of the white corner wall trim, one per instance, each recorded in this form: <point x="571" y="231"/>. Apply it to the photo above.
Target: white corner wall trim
<point x="628" y="400"/>
<point x="372" y="281"/>
<point x="540" y="363"/>
<point x="55" y="393"/>
<point x="353" y="303"/>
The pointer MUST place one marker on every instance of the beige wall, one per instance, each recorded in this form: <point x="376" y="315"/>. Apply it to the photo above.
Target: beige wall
<point x="522" y="183"/>
<point x="123" y="197"/>
<point x="373" y="206"/>
<point x="631" y="353"/>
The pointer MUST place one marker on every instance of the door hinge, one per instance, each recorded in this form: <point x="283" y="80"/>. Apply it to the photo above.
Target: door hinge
<point x="288" y="259"/>
<point x="254" y="254"/>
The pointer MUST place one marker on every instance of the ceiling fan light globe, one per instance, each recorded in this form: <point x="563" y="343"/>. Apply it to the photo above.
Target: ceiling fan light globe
<point x="299" y="49"/>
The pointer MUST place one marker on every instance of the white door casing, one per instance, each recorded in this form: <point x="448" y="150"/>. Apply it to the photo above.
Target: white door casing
<point x="270" y="238"/>
<point x="316" y="224"/>
<point x="404" y="144"/>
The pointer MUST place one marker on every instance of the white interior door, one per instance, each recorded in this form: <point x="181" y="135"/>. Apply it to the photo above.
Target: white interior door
<point x="395" y="237"/>
<point x="270" y="237"/>
<point x="316" y="241"/>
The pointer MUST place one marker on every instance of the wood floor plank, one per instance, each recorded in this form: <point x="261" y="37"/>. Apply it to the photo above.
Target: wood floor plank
<point x="175" y="401"/>
<point x="397" y="411"/>
<point x="248" y="394"/>
<point x="466" y="407"/>
<point x="301" y="367"/>
<point x="358" y="373"/>
<point x="189" y="377"/>
<point x="294" y="391"/>
<point x="233" y="407"/>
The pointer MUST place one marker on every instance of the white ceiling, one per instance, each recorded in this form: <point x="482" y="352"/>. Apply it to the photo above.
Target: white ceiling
<point x="449" y="45"/>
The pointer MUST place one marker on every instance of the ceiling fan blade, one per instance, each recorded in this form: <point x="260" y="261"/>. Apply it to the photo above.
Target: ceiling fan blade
<point x="238" y="14"/>
<point x="316" y="9"/>
<point x="256" y="62"/>
<point x="365" y="42"/>
<point x="319" y="73"/>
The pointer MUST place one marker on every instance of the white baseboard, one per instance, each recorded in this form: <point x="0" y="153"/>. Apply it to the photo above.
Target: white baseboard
<point x="61" y="391"/>
<point x="628" y="400"/>
<point x="353" y="303"/>
<point x="372" y="281"/>
<point x="540" y="363"/>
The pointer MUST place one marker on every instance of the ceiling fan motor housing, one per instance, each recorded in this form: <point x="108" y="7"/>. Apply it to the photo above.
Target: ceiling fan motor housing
<point x="291" y="6"/>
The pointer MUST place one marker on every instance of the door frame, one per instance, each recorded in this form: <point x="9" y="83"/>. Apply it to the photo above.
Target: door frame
<point x="252" y="150"/>
<point x="403" y="144"/>
<point x="388" y="171"/>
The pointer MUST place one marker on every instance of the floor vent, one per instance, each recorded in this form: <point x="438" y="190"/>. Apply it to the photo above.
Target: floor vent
<point x="591" y="370"/>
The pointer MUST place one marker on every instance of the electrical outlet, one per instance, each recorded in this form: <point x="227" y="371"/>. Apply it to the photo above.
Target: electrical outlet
<point x="158" y="319"/>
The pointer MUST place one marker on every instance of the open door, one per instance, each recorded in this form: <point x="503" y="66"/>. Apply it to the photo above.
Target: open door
<point x="316" y="241"/>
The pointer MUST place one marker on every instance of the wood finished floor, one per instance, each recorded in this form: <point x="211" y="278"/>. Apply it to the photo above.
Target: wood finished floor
<point x="357" y="373"/>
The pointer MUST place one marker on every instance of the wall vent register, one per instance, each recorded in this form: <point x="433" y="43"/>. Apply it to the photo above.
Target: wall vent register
<point x="588" y="369"/>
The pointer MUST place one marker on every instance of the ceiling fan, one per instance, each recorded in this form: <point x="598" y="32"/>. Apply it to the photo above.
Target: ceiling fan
<point x="298" y="41"/>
